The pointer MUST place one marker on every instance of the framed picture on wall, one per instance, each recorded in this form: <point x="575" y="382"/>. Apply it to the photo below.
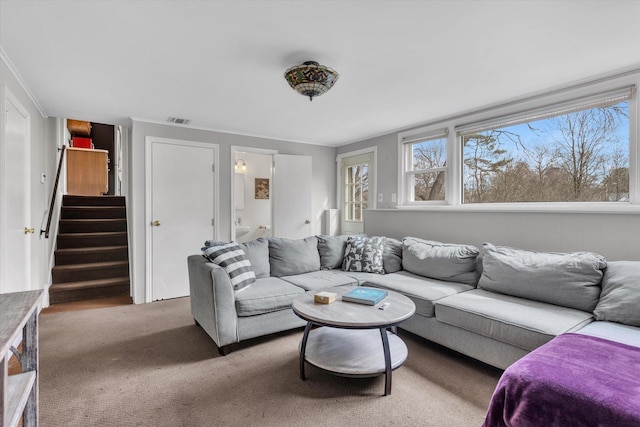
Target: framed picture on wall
<point x="262" y="188"/>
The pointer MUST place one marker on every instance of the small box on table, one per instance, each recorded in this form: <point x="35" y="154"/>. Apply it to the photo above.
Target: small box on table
<point x="325" y="297"/>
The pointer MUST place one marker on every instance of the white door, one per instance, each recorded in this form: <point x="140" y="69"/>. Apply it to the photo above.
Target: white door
<point x="355" y="176"/>
<point x="17" y="245"/>
<point x="292" y="188"/>
<point x="182" y="211"/>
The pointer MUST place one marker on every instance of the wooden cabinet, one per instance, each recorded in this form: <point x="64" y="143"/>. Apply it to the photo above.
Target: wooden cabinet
<point x="87" y="172"/>
<point x="19" y="392"/>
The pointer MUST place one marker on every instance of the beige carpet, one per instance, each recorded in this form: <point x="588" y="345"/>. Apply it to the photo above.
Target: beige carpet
<point x="149" y="365"/>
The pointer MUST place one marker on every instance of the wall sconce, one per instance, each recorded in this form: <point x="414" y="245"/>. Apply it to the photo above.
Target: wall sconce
<point x="240" y="166"/>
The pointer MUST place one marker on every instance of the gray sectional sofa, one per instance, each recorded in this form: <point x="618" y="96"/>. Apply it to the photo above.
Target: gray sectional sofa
<point x="495" y="307"/>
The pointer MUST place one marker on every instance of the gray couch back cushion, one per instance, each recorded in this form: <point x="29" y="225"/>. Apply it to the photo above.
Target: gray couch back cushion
<point x="288" y="257"/>
<point x="331" y="250"/>
<point x="392" y="255"/>
<point x="443" y="261"/>
<point x="565" y="279"/>
<point x="620" y="297"/>
<point x="258" y="253"/>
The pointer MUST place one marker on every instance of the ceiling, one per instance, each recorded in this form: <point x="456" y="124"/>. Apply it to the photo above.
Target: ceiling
<point x="221" y="63"/>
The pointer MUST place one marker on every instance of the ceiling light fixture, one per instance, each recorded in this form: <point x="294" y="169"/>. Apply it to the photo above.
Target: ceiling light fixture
<point x="240" y="166"/>
<point x="311" y="79"/>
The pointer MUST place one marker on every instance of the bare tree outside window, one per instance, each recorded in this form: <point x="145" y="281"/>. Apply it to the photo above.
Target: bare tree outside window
<point x="427" y="183"/>
<point x="576" y="157"/>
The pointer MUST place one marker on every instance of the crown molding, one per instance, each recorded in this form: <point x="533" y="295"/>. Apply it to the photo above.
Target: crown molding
<point x="230" y="132"/>
<point x="21" y="82"/>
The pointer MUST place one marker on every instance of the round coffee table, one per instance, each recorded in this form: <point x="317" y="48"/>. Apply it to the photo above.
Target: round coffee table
<point x="353" y="339"/>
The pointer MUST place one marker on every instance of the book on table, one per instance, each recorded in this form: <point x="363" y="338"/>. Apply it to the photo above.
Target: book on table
<point x="368" y="296"/>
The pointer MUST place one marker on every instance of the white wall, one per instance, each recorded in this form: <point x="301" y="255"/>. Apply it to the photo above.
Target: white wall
<point x="323" y="179"/>
<point x="43" y="158"/>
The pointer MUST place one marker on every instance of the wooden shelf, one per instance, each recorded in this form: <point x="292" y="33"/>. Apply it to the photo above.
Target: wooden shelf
<point x="18" y="389"/>
<point x="19" y="392"/>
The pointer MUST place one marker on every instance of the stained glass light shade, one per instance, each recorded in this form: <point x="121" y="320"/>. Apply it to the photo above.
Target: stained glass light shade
<point x="311" y="79"/>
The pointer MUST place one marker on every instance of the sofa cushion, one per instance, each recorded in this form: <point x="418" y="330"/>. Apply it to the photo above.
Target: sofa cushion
<point x="620" y="297"/>
<point x="520" y="322"/>
<point x="364" y="254"/>
<point x="567" y="279"/>
<point x="232" y="258"/>
<point x="625" y="334"/>
<point x="322" y="279"/>
<point x="392" y="255"/>
<point x="443" y="261"/>
<point x="421" y="290"/>
<point x="258" y="254"/>
<point x="331" y="250"/>
<point x="289" y="257"/>
<point x="266" y="295"/>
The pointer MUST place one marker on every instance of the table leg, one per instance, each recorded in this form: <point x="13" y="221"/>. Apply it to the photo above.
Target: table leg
<point x="387" y="361"/>
<point x="303" y="348"/>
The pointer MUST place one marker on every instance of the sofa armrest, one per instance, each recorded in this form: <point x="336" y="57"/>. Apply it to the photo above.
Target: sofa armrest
<point x="212" y="300"/>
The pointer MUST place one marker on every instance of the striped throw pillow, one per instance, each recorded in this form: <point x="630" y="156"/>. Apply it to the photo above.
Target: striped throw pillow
<point x="233" y="259"/>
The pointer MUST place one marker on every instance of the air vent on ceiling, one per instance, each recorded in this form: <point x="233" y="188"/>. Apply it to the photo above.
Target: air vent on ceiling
<point x="178" y="121"/>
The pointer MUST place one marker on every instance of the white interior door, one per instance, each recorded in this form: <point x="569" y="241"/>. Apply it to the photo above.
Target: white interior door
<point x="182" y="211"/>
<point x="18" y="231"/>
<point x="292" y="186"/>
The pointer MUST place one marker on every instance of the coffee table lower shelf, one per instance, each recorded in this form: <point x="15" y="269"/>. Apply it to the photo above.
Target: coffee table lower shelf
<point x="353" y="352"/>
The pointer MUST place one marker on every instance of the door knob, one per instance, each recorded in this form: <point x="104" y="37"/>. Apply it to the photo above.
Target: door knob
<point x="156" y="223"/>
<point x="307" y="222"/>
<point x="29" y="230"/>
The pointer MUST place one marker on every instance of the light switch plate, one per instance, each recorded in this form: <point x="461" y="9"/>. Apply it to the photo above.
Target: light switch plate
<point x="380" y="197"/>
<point x="43" y="178"/>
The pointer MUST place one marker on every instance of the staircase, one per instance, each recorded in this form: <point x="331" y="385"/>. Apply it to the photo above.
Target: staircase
<point x="92" y="255"/>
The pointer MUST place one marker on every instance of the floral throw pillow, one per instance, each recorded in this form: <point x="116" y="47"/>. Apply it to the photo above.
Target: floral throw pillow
<point x="364" y="254"/>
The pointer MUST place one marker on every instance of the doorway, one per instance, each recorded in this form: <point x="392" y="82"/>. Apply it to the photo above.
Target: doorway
<point x="180" y="210"/>
<point x="271" y="196"/>
<point x="356" y="188"/>
<point x="253" y="195"/>
<point x="16" y="230"/>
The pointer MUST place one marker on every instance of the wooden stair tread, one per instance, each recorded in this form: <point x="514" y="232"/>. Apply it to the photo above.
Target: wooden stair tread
<point x="94" y="234"/>
<point x="90" y="265"/>
<point x="91" y="249"/>
<point x="89" y="284"/>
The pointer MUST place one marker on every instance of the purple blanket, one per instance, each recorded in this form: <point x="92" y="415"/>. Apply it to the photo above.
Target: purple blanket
<point x="573" y="380"/>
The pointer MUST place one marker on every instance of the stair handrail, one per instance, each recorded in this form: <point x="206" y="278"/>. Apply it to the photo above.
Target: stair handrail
<point x="53" y="196"/>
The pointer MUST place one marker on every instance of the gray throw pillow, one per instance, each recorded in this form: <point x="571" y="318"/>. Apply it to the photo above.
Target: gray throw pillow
<point x="620" y="297"/>
<point x="289" y="257"/>
<point x="443" y="261"/>
<point x="364" y="254"/>
<point x="331" y="250"/>
<point x="258" y="253"/>
<point x="565" y="279"/>
<point x="232" y="258"/>
<point x="392" y="255"/>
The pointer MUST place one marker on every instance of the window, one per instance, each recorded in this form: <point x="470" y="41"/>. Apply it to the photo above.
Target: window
<point x="425" y="161"/>
<point x="576" y="152"/>
<point x="356" y="191"/>
<point x="573" y="149"/>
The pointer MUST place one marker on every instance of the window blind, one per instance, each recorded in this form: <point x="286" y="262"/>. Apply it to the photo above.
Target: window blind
<point x="600" y="100"/>
<point x="418" y="137"/>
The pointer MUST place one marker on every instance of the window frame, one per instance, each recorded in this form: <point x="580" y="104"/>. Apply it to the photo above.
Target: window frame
<point x="523" y="107"/>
